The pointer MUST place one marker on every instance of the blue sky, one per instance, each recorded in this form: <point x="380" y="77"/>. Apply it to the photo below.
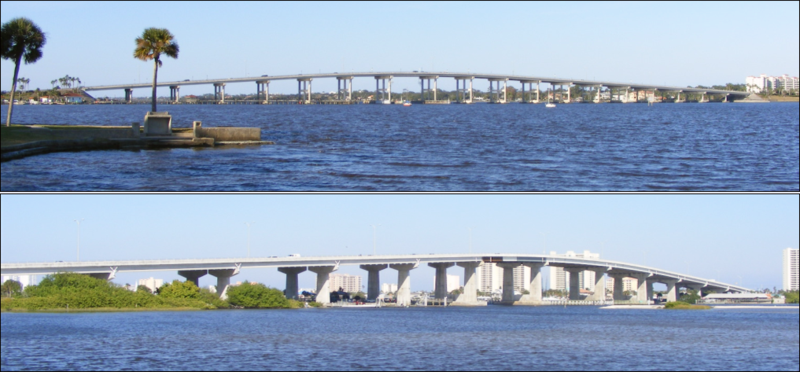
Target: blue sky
<point x="723" y="237"/>
<point x="678" y="44"/>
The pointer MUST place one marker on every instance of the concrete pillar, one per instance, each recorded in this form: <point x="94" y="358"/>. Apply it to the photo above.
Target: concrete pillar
<point x="323" y="278"/>
<point x="537" y="91"/>
<point x="374" y="280"/>
<point x="641" y="291"/>
<point x="650" y="291"/>
<point x="569" y="92"/>
<point x="440" y="291"/>
<point x="350" y="90"/>
<point x="505" y="91"/>
<point x="627" y="95"/>
<point x="292" y="286"/>
<point x="619" y="287"/>
<point x="219" y="92"/>
<point x="193" y="275"/>
<point x="508" y="276"/>
<point x="128" y="95"/>
<point x="422" y="89"/>
<point x="174" y="93"/>
<point x="672" y="289"/>
<point x="470" y="294"/>
<point x="535" y="296"/>
<point x="223" y="280"/>
<point x="599" y="285"/>
<point x="574" y="284"/>
<point x="403" y="295"/>
<point x="435" y="87"/>
<point x="470" y="90"/>
<point x="377" y="89"/>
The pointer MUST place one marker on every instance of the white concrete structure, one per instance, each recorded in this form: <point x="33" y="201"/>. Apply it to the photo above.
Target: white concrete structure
<point x="24" y="280"/>
<point x="152" y="284"/>
<point x="349" y="283"/>
<point x="790" y="278"/>
<point x="560" y="281"/>
<point x="757" y="84"/>
<point x="388" y="288"/>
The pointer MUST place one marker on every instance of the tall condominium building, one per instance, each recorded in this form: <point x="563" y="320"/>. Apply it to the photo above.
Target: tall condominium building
<point x="790" y="282"/>
<point x="756" y="84"/>
<point x="453" y="282"/>
<point x="24" y="280"/>
<point x="490" y="277"/>
<point x="348" y="283"/>
<point x="389" y="288"/>
<point x="152" y="284"/>
<point x="559" y="280"/>
<point x="628" y="284"/>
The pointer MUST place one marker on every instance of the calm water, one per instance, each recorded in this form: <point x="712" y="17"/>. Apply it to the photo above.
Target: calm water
<point x="681" y="147"/>
<point x="492" y="338"/>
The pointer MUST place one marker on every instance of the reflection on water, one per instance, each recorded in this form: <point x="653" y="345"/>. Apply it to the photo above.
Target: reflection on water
<point x="491" y="338"/>
<point x="712" y="147"/>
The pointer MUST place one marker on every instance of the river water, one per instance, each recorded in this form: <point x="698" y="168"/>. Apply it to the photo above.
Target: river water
<point x="481" y="147"/>
<point x="490" y="338"/>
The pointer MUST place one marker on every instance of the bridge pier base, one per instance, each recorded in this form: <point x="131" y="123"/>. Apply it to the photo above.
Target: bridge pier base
<point x="223" y="280"/>
<point x="599" y="285"/>
<point x="470" y="295"/>
<point x="374" y="280"/>
<point x="381" y="91"/>
<point x="193" y="275"/>
<point x="347" y="90"/>
<point x="422" y="87"/>
<point x="641" y="291"/>
<point x="323" y="278"/>
<point x="403" y="295"/>
<point x="128" y="95"/>
<point x="174" y="93"/>
<point x="672" y="289"/>
<point x="574" y="283"/>
<point x="534" y="297"/>
<point x="619" y="287"/>
<point x="508" y="281"/>
<point x="304" y="95"/>
<point x="219" y="93"/>
<point x="440" y="290"/>
<point x="292" y="286"/>
<point x="262" y="88"/>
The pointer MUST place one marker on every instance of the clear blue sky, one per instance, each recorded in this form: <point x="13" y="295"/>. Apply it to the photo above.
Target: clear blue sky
<point x="670" y="43"/>
<point x="712" y="236"/>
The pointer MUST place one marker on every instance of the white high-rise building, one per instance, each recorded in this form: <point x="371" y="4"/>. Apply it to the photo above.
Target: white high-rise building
<point x="785" y="82"/>
<point x="628" y="284"/>
<point x="348" y="283"/>
<point x="24" y="280"/>
<point x="790" y="280"/>
<point x="152" y="284"/>
<point x="490" y="277"/>
<point x="453" y="282"/>
<point x="559" y="280"/>
<point x="389" y="288"/>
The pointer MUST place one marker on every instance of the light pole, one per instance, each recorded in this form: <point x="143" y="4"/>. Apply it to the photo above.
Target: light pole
<point x="79" y="237"/>
<point x="248" y="238"/>
<point x="374" y="238"/>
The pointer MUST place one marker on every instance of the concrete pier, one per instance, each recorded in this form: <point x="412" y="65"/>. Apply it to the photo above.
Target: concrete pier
<point x="574" y="283"/>
<point x="128" y="95"/>
<point x="262" y="90"/>
<point x="193" y="275"/>
<point x="470" y="295"/>
<point x="174" y="93"/>
<point x="304" y="90"/>
<point x="494" y="93"/>
<point x="508" y="281"/>
<point x="374" y="280"/>
<point x="619" y="287"/>
<point x="323" y="279"/>
<point x="423" y="79"/>
<point x="534" y="297"/>
<point x="403" y="295"/>
<point x="641" y="291"/>
<point x="219" y="92"/>
<point x="440" y="291"/>
<point x="292" y="287"/>
<point x="381" y="91"/>
<point x="347" y="90"/>
<point x="599" y="285"/>
<point x="672" y="290"/>
<point x="223" y="280"/>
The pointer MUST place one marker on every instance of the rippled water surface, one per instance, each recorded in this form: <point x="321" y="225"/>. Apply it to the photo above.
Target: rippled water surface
<point x="681" y="147"/>
<point x="491" y="338"/>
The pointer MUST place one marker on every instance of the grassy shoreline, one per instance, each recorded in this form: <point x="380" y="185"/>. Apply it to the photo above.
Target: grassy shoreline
<point x="98" y="310"/>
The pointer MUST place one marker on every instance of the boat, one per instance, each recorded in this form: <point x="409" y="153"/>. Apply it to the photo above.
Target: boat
<point x="406" y="103"/>
<point x="550" y="103"/>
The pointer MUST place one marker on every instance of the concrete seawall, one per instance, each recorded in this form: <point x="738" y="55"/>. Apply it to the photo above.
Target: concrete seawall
<point x="230" y="134"/>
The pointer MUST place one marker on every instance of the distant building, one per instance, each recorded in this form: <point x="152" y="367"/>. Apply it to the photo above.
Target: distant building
<point x="757" y="84"/>
<point x="151" y="284"/>
<point x="628" y="284"/>
<point x="790" y="279"/>
<point x="490" y="277"/>
<point x="389" y="288"/>
<point x="453" y="282"/>
<point x="349" y="283"/>
<point x="24" y="280"/>
<point x="559" y="280"/>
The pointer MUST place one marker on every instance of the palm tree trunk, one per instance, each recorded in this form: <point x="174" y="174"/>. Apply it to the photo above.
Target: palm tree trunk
<point x="155" y="77"/>
<point x="13" y="89"/>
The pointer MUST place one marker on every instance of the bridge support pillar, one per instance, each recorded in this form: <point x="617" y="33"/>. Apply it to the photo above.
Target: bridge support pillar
<point x="619" y="287"/>
<point x="347" y="90"/>
<point x="704" y="98"/>
<point x="292" y="286"/>
<point x="304" y="93"/>
<point x="323" y="280"/>
<point x="219" y="92"/>
<point x="462" y="91"/>
<point x="128" y="95"/>
<point x="174" y="93"/>
<point x="374" y="280"/>
<point x="627" y="95"/>
<point x="574" y="283"/>
<point x="262" y="90"/>
<point x="422" y="87"/>
<point x="380" y="89"/>
<point x="193" y="275"/>
<point x="599" y="285"/>
<point x="508" y="280"/>
<point x="650" y="290"/>
<point x="494" y="95"/>
<point x="470" y="295"/>
<point x="223" y="280"/>
<point x="403" y="295"/>
<point x="641" y="290"/>
<point x="535" y="289"/>
<point x="440" y="291"/>
<point x="672" y="289"/>
<point x="537" y="92"/>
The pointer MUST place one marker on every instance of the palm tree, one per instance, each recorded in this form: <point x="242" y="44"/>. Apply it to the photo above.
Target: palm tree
<point x="53" y="83"/>
<point x="20" y="38"/>
<point x="152" y="43"/>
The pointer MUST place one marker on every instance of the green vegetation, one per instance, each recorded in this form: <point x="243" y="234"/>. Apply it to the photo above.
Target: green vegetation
<point x="791" y="297"/>
<point x="20" y="38"/>
<point x="71" y="292"/>
<point x="690" y="297"/>
<point x="258" y="296"/>
<point x="153" y="43"/>
<point x="11" y="287"/>
<point x="678" y="305"/>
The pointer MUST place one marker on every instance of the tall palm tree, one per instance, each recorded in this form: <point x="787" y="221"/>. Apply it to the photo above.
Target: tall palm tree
<point x="21" y="38"/>
<point x="153" y="43"/>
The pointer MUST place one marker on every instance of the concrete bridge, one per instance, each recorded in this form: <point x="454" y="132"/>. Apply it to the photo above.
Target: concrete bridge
<point x="224" y="269"/>
<point x="464" y="82"/>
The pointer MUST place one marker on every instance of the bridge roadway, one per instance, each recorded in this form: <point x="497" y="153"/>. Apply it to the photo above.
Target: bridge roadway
<point x="224" y="269"/>
<point x="304" y="84"/>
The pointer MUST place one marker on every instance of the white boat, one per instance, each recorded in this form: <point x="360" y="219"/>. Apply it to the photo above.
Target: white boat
<point x="550" y="104"/>
<point x="406" y="103"/>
